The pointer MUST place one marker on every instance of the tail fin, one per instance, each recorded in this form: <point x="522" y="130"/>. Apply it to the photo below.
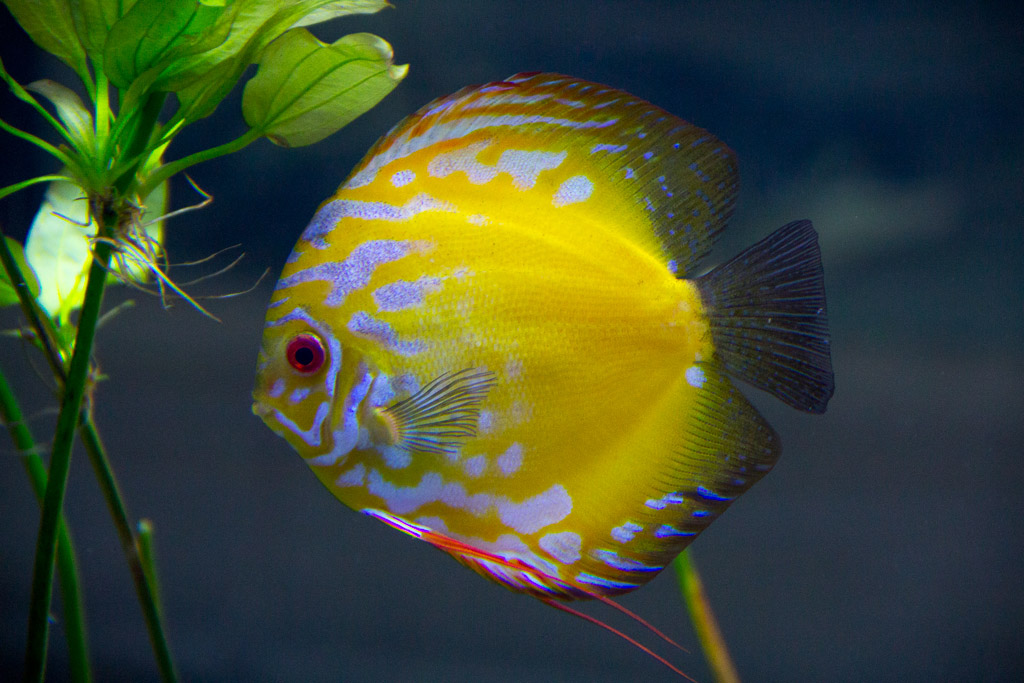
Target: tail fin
<point x="768" y="318"/>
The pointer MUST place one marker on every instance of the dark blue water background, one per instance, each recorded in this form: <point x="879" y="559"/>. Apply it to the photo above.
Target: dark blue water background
<point x="888" y="544"/>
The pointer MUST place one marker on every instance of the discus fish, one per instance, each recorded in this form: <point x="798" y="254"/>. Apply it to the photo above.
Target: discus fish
<point x="494" y="336"/>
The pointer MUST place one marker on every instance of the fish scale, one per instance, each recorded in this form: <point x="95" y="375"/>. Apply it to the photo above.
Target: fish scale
<point x="508" y="361"/>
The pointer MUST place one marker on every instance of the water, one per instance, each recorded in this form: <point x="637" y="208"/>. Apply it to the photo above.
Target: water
<point x="887" y="544"/>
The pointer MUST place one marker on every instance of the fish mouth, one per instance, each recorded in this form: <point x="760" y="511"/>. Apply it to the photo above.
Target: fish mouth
<point x="261" y="410"/>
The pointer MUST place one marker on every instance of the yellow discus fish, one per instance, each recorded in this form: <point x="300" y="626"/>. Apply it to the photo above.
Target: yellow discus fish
<point x="492" y="337"/>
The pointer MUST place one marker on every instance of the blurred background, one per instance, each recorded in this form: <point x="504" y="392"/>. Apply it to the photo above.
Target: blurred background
<point x="887" y="545"/>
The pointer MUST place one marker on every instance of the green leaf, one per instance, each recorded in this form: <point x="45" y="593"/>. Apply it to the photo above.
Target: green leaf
<point x="49" y="24"/>
<point x="154" y="32"/>
<point x="8" y="296"/>
<point x="306" y="90"/>
<point x="199" y="99"/>
<point x="58" y="246"/>
<point x="93" y="21"/>
<point x="340" y="9"/>
<point x="76" y="118"/>
<point x="202" y="79"/>
<point x="254" y="24"/>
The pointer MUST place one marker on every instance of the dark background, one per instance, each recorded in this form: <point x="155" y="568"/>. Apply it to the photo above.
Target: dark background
<point x="888" y="544"/>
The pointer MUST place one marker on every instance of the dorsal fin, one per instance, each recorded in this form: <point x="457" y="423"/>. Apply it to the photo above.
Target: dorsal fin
<point x="679" y="176"/>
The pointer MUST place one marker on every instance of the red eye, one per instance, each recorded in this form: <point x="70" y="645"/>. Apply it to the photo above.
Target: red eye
<point x="306" y="354"/>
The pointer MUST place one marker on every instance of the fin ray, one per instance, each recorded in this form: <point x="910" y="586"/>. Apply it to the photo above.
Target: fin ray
<point x="769" y="321"/>
<point x="679" y="179"/>
<point x="443" y="412"/>
<point x="722" y="449"/>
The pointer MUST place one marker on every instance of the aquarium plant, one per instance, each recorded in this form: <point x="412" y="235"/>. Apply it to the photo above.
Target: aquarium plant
<point x="147" y="69"/>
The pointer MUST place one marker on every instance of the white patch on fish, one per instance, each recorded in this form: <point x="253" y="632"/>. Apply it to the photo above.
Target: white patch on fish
<point x="573" y="190"/>
<point x="402" y="178"/>
<point x="404" y="294"/>
<point x="475" y="466"/>
<point x="364" y="325"/>
<point x="533" y="514"/>
<point x="626" y="564"/>
<point x="352" y="477"/>
<point x="626" y="532"/>
<point x="354" y="273"/>
<point x="299" y="395"/>
<point x="695" y="376"/>
<point x="523" y="165"/>
<point x="564" y="546"/>
<point x="511" y="460"/>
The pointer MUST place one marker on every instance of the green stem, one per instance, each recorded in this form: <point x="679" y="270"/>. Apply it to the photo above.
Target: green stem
<point x="30" y="307"/>
<point x="704" y="621"/>
<point x="144" y="577"/>
<point x="140" y="129"/>
<point x="60" y="457"/>
<point x="170" y="169"/>
<point x="101" y="114"/>
<point x="70" y="586"/>
<point x="144" y="582"/>
<point x="38" y="142"/>
<point x="147" y="555"/>
<point x="22" y="94"/>
<point x="11" y="189"/>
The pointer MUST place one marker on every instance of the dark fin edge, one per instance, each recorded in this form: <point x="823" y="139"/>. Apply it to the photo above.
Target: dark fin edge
<point x="444" y="411"/>
<point x="769" y="323"/>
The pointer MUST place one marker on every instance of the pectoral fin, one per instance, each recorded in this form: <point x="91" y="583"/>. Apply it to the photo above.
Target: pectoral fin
<point x="441" y="414"/>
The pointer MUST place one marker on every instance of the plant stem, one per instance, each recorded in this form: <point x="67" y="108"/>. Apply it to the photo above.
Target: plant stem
<point x="141" y="127"/>
<point x="704" y="621"/>
<point x="70" y="586"/>
<point x="22" y="94"/>
<point x="144" y="582"/>
<point x="11" y="189"/>
<point x="101" y="114"/>
<point x="147" y="556"/>
<point x="30" y="307"/>
<point x="144" y="577"/>
<point x="174" y="167"/>
<point x="60" y="456"/>
<point x="62" y="156"/>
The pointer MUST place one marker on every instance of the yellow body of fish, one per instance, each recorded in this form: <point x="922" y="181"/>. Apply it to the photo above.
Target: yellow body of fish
<point x="487" y="339"/>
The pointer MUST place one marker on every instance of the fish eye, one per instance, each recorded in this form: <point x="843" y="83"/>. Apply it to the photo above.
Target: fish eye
<point x="305" y="353"/>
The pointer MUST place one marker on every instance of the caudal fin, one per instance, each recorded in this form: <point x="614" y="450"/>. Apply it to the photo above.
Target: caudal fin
<point x="768" y="318"/>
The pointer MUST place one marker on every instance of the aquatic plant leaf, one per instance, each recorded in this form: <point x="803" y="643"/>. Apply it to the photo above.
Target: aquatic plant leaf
<point x="49" y="24"/>
<point x="340" y="8"/>
<point x="202" y="80"/>
<point x="58" y="246"/>
<point x="8" y="295"/>
<point x="76" y="118"/>
<point x="152" y="33"/>
<point x="306" y="90"/>
<point x="93" y="20"/>
<point x="199" y="99"/>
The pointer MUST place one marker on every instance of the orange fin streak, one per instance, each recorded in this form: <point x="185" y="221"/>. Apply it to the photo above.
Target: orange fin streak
<point x="546" y="588"/>
<point x="620" y="634"/>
